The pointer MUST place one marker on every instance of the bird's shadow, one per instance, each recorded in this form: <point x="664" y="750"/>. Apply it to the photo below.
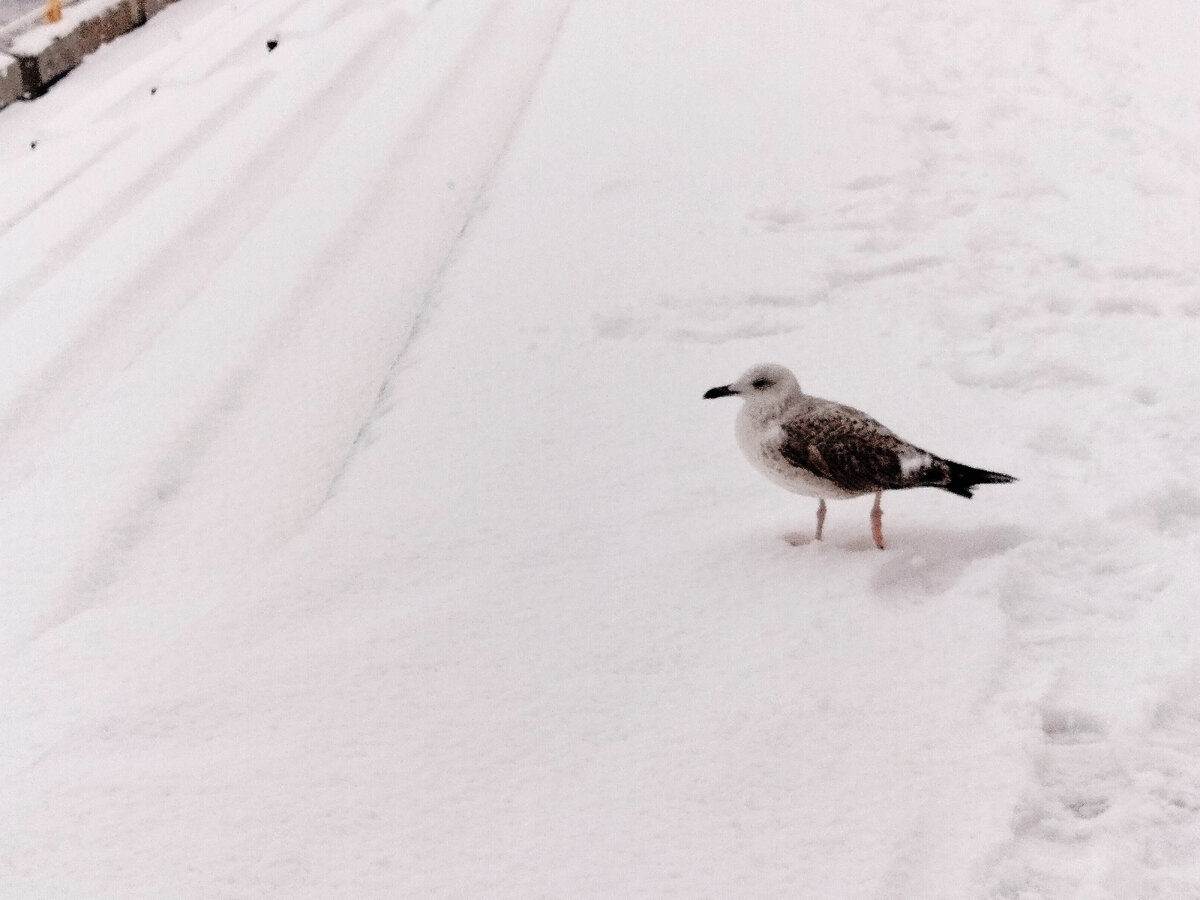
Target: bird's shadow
<point x="929" y="562"/>
<point x="926" y="562"/>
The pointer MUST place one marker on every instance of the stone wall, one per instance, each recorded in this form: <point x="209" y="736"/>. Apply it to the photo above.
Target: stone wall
<point x="11" y="85"/>
<point x="44" y="52"/>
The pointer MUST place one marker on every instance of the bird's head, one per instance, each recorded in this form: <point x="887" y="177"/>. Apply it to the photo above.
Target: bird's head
<point x="766" y="383"/>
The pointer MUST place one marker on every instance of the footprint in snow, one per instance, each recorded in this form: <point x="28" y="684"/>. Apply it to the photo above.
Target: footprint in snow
<point x="777" y="218"/>
<point x="868" y="183"/>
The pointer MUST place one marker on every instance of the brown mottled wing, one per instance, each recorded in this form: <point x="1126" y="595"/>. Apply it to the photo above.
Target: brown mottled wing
<point x="848" y="447"/>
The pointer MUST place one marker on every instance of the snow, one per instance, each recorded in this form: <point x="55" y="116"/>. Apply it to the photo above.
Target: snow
<point x="366" y="534"/>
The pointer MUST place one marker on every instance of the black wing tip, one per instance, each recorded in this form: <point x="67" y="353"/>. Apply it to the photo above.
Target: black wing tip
<point x="964" y="479"/>
<point x="997" y="478"/>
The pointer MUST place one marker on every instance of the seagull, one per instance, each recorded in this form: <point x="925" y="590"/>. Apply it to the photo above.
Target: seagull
<point x="824" y="449"/>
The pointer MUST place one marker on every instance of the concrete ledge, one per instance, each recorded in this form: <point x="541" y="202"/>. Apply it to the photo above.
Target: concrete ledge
<point x="47" y="52"/>
<point x="12" y="87"/>
<point x="110" y="24"/>
<point x="41" y="67"/>
<point x="154" y="7"/>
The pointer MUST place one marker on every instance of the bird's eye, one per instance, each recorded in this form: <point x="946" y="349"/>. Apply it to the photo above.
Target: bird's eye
<point x="760" y="383"/>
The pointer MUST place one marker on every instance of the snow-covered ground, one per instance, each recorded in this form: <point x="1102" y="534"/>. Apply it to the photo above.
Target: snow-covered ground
<point x="365" y="534"/>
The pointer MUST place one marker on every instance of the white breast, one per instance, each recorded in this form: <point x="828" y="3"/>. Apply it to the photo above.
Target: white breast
<point x="760" y="438"/>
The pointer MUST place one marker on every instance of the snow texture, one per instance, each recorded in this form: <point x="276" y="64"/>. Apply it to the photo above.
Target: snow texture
<point x="365" y="534"/>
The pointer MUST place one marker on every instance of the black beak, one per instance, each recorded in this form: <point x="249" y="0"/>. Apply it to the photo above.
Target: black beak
<point x="723" y="391"/>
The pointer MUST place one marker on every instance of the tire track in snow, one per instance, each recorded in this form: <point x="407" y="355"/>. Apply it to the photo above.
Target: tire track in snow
<point x="196" y="65"/>
<point x="38" y="196"/>
<point x="187" y="62"/>
<point x="75" y="236"/>
<point x="424" y="307"/>
<point x="154" y="291"/>
<point x="223" y="425"/>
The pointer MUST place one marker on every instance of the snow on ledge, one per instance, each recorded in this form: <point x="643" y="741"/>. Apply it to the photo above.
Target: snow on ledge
<point x="74" y="17"/>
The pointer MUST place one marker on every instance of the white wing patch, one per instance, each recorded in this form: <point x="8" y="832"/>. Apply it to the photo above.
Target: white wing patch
<point x="912" y="463"/>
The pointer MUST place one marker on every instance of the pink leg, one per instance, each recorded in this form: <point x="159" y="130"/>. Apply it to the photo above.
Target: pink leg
<point x="877" y="521"/>
<point x="820" y="519"/>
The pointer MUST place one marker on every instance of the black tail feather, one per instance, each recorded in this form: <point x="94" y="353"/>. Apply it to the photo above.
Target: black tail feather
<point x="964" y="478"/>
